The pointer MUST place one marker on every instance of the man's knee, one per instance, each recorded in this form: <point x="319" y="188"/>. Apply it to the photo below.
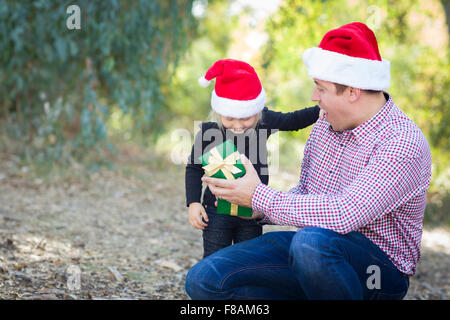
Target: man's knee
<point x="203" y="280"/>
<point x="310" y="238"/>
<point x="309" y="248"/>
<point x="196" y="281"/>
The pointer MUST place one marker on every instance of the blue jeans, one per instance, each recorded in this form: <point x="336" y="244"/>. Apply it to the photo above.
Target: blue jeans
<point x="313" y="263"/>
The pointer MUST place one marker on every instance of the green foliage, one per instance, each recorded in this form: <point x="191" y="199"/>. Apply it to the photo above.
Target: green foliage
<point x="187" y="101"/>
<point x="58" y="86"/>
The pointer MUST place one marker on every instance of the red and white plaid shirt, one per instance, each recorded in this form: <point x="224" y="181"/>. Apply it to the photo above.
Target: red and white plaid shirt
<point x="372" y="179"/>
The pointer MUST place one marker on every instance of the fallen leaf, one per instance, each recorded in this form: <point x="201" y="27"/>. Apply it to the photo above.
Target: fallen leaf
<point x="171" y="265"/>
<point x="116" y="274"/>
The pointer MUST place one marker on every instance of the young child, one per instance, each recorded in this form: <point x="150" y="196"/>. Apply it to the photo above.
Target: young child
<point x="238" y="100"/>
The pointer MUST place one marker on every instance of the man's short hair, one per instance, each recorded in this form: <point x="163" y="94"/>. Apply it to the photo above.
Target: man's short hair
<point x="340" y="88"/>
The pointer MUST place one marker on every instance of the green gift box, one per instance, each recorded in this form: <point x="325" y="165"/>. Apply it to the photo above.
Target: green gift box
<point x="223" y="162"/>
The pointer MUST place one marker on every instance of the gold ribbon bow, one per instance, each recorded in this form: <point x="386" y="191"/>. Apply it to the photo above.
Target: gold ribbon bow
<point x="216" y="163"/>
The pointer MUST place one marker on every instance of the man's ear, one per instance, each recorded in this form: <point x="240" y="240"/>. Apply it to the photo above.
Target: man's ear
<point x="353" y="94"/>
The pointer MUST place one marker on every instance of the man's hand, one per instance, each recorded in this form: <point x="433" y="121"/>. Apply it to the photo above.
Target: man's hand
<point x="239" y="191"/>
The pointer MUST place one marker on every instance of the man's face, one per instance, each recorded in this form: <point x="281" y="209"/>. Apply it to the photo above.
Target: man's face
<point x="336" y="108"/>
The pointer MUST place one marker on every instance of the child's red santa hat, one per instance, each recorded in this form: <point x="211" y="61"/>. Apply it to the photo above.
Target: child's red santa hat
<point x="349" y="55"/>
<point x="238" y="93"/>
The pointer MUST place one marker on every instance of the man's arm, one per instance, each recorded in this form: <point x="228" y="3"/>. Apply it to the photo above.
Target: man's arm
<point x="387" y="182"/>
<point x="383" y="185"/>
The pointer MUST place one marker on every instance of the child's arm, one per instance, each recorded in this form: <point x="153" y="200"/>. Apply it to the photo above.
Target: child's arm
<point x="193" y="197"/>
<point x="290" y="121"/>
<point x="193" y="185"/>
<point x="194" y="172"/>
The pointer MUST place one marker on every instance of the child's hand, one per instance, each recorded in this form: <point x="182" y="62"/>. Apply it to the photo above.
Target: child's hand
<point x="321" y="114"/>
<point x="196" y="212"/>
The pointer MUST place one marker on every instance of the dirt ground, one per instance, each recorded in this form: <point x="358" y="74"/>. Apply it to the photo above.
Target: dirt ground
<point x="124" y="234"/>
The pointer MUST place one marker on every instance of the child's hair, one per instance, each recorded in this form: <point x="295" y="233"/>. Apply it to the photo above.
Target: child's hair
<point x="215" y="117"/>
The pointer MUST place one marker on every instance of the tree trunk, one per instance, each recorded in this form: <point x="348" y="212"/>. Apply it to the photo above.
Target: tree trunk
<point x="446" y="5"/>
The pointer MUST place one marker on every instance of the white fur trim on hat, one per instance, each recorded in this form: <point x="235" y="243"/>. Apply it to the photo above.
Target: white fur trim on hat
<point x="203" y="82"/>
<point x="343" y="69"/>
<point x="238" y="108"/>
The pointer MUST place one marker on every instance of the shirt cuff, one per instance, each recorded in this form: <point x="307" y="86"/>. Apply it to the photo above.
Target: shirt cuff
<point x="261" y="200"/>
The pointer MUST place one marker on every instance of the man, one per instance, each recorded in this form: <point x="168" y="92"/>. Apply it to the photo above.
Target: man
<point x="359" y="203"/>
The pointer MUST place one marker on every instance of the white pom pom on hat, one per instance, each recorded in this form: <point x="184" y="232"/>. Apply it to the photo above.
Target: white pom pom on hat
<point x="203" y="82"/>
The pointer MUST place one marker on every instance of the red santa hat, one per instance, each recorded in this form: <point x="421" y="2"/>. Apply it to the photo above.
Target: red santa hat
<point x="238" y="93"/>
<point x="349" y="55"/>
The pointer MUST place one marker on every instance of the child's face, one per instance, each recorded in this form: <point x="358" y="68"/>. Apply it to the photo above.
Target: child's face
<point x="239" y="125"/>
